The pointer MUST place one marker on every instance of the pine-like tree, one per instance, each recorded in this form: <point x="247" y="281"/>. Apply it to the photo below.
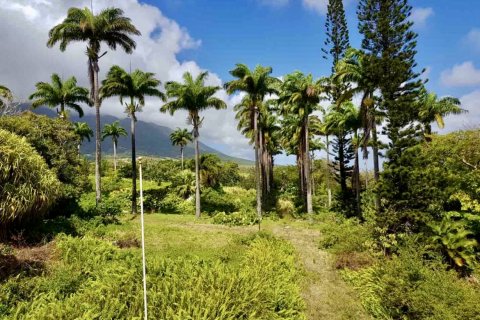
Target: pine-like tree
<point x="390" y="44"/>
<point x="335" y="45"/>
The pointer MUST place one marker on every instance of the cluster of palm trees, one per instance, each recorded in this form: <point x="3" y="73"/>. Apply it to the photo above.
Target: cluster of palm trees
<point x="275" y="114"/>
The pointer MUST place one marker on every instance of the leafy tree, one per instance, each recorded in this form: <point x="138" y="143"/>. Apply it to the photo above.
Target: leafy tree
<point x="29" y="187"/>
<point x="257" y="84"/>
<point x="193" y="96"/>
<point x="181" y="137"/>
<point x="433" y="109"/>
<point x="390" y="44"/>
<point x="135" y="86"/>
<point x="83" y="131"/>
<point x="5" y="96"/>
<point x="115" y="131"/>
<point x="336" y="43"/>
<point x="299" y="97"/>
<point x="353" y="68"/>
<point x="347" y="119"/>
<point x="109" y="26"/>
<point x="65" y="94"/>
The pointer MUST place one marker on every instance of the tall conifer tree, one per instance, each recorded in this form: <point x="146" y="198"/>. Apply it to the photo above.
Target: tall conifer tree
<point x="391" y="45"/>
<point x="336" y="44"/>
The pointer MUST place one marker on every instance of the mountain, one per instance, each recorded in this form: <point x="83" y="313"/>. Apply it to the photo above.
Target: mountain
<point x="151" y="139"/>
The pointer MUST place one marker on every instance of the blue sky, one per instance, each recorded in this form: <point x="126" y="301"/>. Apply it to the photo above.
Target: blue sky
<point x="288" y="35"/>
<point x="213" y="35"/>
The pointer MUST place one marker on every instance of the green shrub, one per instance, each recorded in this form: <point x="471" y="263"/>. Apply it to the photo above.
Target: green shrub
<point x="285" y="208"/>
<point x="343" y="235"/>
<point x="214" y="200"/>
<point x="95" y="280"/>
<point x="28" y="187"/>
<point x="242" y="218"/>
<point x="56" y="142"/>
<point x="406" y="286"/>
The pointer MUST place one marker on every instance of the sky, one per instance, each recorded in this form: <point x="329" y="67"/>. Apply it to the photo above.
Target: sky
<point x="214" y="35"/>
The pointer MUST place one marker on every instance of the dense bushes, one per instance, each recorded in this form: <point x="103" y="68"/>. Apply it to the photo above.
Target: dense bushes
<point x="406" y="286"/>
<point x="95" y="280"/>
<point x="28" y="187"/>
<point x="56" y="141"/>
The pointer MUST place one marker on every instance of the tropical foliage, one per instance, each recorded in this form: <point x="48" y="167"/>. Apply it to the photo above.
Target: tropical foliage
<point x="59" y="93"/>
<point x="29" y="187"/>
<point x="193" y="96"/>
<point x="114" y="131"/>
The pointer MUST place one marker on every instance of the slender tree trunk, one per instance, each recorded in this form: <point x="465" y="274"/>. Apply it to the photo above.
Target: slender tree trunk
<point x="376" y="166"/>
<point x="197" y="173"/>
<point x="134" y="165"/>
<point x="357" y="180"/>
<point x="257" y="165"/>
<point x="306" y="168"/>
<point x="341" y="162"/>
<point x="181" y="153"/>
<point x="312" y="168"/>
<point x="329" y="190"/>
<point x="114" y="155"/>
<point x="62" y="111"/>
<point x="98" y="145"/>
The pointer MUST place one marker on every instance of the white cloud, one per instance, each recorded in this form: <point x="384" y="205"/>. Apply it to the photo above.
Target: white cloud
<point x="162" y="39"/>
<point x="473" y="39"/>
<point x="319" y="6"/>
<point x="420" y="15"/>
<point x="274" y="3"/>
<point x="470" y="120"/>
<point x="464" y="74"/>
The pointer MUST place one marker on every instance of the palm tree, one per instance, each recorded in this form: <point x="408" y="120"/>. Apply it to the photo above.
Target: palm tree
<point x="348" y="119"/>
<point x="181" y="137"/>
<point x="135" y="86"/>
<point x="353" y="69"/>
<point x="256" y="84"/>
<point x="83" y="131"/>
<point x="5" y="96"/>
<point x="433" y="109"/>
<point x="109" y="26"/>
<point x="115" y="131"/>
<point x="193" y="96"/>
<point x="65" y="94"/>
<point x="300" y="96"/>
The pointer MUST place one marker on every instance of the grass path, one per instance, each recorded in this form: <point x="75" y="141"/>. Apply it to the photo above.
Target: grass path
<point x="326" y="295"/>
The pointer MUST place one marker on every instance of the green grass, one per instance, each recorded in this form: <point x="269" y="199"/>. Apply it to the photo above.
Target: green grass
<point x="171" y="236"/>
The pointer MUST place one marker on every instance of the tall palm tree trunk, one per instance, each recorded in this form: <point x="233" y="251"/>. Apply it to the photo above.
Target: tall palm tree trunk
<point x="134" y="165"/>
<point x="306" y="168"/>
<point x="356" y="174"/>
<point x="329" y="190"/>
<point x="376" y="166"/>
<point x="114" y="155"/>
<point x="98" y="146"/>
<point x="257" y="165"/>
<point x="197" y="173"/>
<point x="181" y="153"/>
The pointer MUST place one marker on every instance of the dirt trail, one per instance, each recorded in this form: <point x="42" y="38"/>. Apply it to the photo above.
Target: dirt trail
<point x="326" y="295"/>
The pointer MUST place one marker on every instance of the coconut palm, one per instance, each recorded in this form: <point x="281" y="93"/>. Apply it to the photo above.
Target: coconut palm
<point x="181" y="137"/>
<point x="5" y="96"/>
<point x="65" y="94"/>
<point x="300" y="96"/>
<point x="115" y="131"/>
<point x="433" y="109"/>
<point x="256" y="84"/>
<point x="83" y="131"/>
<point x="193" y="96"/>
<point x="109" y="26"/>
<point x="135" y="87"/>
